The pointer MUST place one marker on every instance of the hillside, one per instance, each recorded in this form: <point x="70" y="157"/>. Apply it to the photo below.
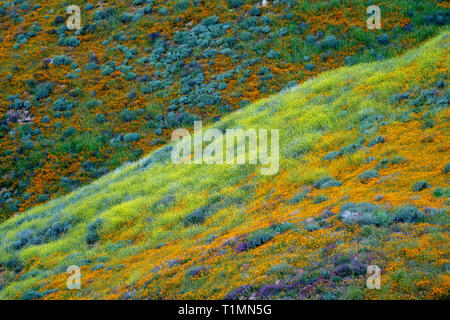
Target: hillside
<point x="75" y="105"/>
<point x="363" y="180"/>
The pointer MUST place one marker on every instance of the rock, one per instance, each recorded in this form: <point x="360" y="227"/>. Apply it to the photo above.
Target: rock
<point x="350" y="215"/>
<point x="309" y="220"/>
<point x="293" y="213"/>
<point x="326" y="214"/>
<point x="20" y="116"/>
<point x="305" y="292"/>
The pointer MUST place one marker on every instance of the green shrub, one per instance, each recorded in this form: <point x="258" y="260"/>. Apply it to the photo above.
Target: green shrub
<point x="130" y="76"/>
<point x="331" y="155"/>
<point x="447" y="168"/>
<point x="67" y="183"/>
<point x="383" y="164"/>
<point x="384" y="39"/>
<point x="330" y="42"/>
<point x="320" y="199"/>
<point x="62" y="104"/>
<point x="298" y="197"/>
<point x="382" y="218"/>
<point x="376" y="141"/>
<point x="125" y="17"/>
<point x="246" y="36"/>
<point x="98" y="267"/>
<point x="132" y="137"/>
<point x="106" y="70"/>
<point x="326" y="182"/>
<point x="52" y="230"/>
<point x="71" y="75"/>
<point x="420" y="185"/>
<point x="93" y="104"/>
<point x="398" y="160"/>
<point x="68" y="132"/>
<point x="128" y="115"/>
<point x="235" y="3"/>
<point x="439" y="216"/>
<point x="71" y="42"/>
<point x="282" y="227"/>
<point x="310" y="39"/>
<point x="31" y="295"/>
<point x="100" y="118"/>
<point x="91" y="66"/>
<point x="428" y="122"/>
<point x="272" y="54"/>
<point x="255" y="11"/>
<point x="42" y="91"/>
<point x="408" y="214"/>
<point x="211" y="20"/>
<point x="369" y="231"/>
<point x="92" y="230"/>
<point x="351" y="148"/>
<point x="43" y="197"/>
<point x="367" y="175"/>
<point x="197" y="216"/>
<point x="163" y="11"/>
<point x="61" y="60"/>
<point x="98" y="15"/>
<point x="441" y="192"/>
<point x="405" y="116"/>
<point x="260" y="237"/>
<point x="182" y="5"/>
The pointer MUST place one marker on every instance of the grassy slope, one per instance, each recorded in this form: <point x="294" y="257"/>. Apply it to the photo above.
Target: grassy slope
<point x="145" y="249"/>
<point x="38" y="162"/>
